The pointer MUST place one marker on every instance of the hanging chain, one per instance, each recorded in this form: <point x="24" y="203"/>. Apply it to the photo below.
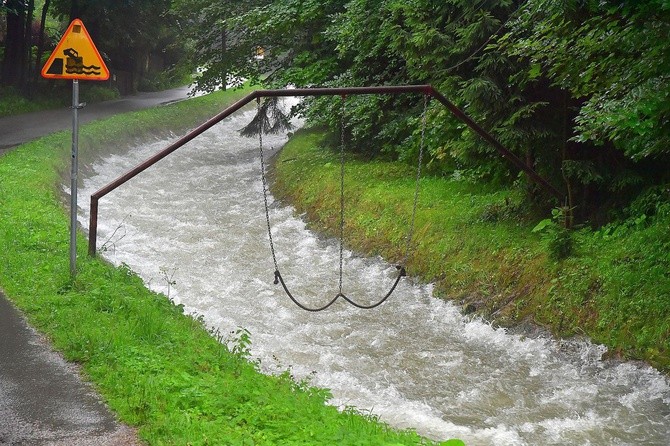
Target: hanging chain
<point x="344" y="98"/>
<point x="265" y="189"/>
<point x="410" y="232"/>
<point x="401" y="268"/>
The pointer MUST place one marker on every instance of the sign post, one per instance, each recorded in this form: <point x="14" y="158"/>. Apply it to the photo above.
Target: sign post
<point x="73" y="176"/>
<point x="75" y="57"/>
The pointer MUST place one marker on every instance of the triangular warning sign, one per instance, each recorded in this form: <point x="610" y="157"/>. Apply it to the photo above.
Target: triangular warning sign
<point x="76" y="57"/>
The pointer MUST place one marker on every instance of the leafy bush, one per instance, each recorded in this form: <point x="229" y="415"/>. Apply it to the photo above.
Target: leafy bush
<point x="13" y="102"/>
<point x="98" y="93"/>
<point x="556" y="234"/>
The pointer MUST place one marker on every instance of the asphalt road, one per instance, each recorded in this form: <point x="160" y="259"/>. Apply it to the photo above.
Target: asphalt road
<point x="15" y="130"/>
<point x="43" y="399"/>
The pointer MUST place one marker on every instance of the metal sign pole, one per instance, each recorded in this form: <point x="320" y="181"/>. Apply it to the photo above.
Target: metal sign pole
<point x="73" y="177"/>
<point x="75" y="57"/>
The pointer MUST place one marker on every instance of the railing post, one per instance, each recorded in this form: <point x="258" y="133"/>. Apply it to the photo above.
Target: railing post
<point x="93" y="227"/>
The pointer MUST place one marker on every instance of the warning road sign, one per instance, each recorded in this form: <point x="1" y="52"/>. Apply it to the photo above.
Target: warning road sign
<point x="76" y="57"/>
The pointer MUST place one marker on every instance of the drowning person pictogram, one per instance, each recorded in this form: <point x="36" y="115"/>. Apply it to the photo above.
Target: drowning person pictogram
<point x="75" y="64"/>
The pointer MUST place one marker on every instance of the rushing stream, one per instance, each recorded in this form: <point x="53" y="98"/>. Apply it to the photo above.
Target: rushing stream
<point x="197" y="219"/>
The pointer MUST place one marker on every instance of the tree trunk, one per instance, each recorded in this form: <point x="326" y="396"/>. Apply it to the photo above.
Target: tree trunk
<point x="26" y="68"/>
<point x="14" y="43"/>
<point x="40" y="40"/>
<point x="74" y="10"/>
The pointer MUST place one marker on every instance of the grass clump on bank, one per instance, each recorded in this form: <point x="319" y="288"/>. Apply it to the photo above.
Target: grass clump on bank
<point x="158" y="369"/>
<point x="477" y="244"/>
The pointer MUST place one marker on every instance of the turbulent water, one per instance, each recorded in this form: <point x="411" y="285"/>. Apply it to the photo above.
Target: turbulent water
<point x="193" y="226"/>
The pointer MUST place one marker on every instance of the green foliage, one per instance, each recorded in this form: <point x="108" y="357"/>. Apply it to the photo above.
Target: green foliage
<point x="610" y="61"/>
<point x="556" y="235"/>
<point x="270" y="118"/>
<point x="618" y="281"/>
<point x="222" y="43"/>
<point x="577" y="90"/>
<point x="96" y="93"/>
<point x="176" y="76"/>
<point x="654" y="201"/>
<point x="616" y="58"/>
<point x="12" y="102"/>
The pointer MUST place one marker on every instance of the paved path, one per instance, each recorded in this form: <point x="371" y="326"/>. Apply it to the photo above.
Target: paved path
<point x="15" y="130"/>
<point x="43" y="400"/>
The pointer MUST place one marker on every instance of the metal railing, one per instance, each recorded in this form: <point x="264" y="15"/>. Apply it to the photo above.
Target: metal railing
<point x="392" y="90"/>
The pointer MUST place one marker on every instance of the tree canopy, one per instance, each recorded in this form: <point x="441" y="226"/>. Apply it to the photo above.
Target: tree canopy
<point x="578" y="89"/>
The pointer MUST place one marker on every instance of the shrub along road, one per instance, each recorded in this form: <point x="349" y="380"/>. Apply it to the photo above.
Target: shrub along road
<point x="42" y="397"/>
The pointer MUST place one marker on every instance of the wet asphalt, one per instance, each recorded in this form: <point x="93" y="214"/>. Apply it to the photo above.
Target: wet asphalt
<point x="15" y="130"/>
<point x="44" y="401"/>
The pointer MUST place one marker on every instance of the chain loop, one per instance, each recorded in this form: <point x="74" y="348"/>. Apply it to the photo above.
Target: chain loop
<point x="401" y="269"/>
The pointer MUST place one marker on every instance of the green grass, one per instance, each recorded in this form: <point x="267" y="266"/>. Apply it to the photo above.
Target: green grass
<point x="619" y="282"/>
<point x="158" y="369"/>
<point x="476" y="244"/>
<point x="12" y="102"/>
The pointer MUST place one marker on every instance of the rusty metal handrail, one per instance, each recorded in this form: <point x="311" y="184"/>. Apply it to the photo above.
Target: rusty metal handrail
<point x="398" y="89"/>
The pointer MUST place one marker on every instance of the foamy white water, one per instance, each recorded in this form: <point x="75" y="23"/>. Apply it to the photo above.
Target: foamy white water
<point x="197" y="218"/>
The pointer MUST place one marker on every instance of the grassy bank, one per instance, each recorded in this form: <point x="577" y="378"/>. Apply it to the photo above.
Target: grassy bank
<point x="477" y="244"/>
<point x="158" y="369"/>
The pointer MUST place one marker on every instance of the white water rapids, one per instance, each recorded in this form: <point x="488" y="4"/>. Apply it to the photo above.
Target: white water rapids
<point x="197" y="219"/>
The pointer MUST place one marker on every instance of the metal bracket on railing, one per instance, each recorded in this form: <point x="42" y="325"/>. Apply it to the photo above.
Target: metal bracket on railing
<point x="396" y="89"/>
